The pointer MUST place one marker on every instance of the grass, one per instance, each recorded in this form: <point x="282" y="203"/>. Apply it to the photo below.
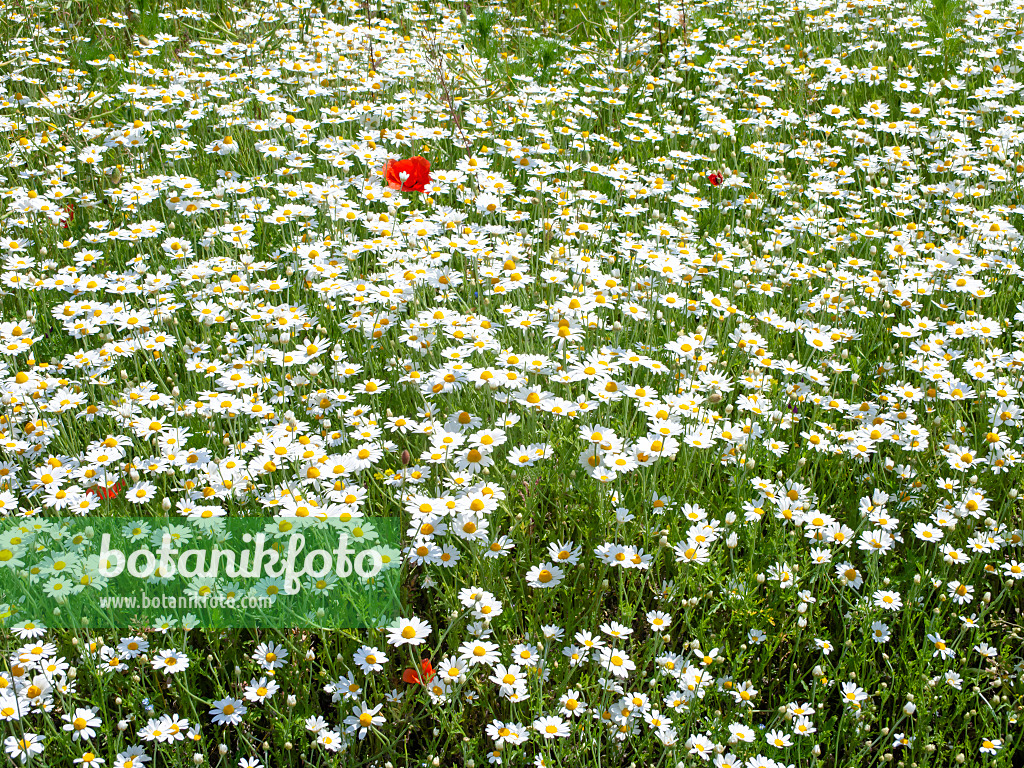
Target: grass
<point x="760" y="212"/>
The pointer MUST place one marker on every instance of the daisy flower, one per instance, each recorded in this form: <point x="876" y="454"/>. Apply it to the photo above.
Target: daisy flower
<point x="228" y="711"/>
<point x="270" y="656"/>
<point x="82" y="723"/>
<point x="545" y="575"/>
<point x="616" y="662"/>
<point x="369" y="659"/>
<point x="261" y="690"/>
<point x="363" y="718"/>
<point x="551" y="727"/>
<point x="25" y="747"/>
<point x="170" y="661"/>
<point x="409" y="632"/>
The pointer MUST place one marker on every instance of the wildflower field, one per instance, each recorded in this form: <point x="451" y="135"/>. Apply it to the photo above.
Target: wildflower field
<point x="683" y="340"/>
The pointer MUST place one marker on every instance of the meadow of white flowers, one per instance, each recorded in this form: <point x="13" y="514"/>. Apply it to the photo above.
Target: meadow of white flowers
<point x="693" y="373"/>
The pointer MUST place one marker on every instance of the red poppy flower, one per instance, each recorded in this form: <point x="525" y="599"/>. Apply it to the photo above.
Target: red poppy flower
<point x="410" y="175"/>
<point x="715" y="178"/>
<point x="413" y="678"/>
<point x="107" y="493"/>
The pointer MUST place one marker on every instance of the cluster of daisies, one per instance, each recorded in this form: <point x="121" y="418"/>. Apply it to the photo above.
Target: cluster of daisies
<point x="694" y="375"/>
